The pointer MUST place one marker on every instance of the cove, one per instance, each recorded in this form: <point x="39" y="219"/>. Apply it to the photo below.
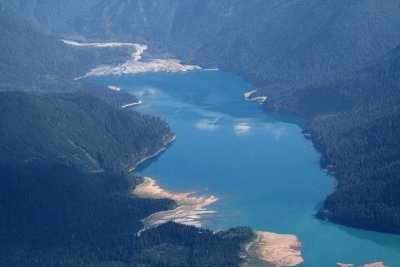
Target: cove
<point x="265" y="173"/>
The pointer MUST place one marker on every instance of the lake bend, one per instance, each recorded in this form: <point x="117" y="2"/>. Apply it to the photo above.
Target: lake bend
<point x="263" y="171"/>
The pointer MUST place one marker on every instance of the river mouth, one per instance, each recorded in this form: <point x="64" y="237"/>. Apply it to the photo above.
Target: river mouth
<point x="264" y="172"/>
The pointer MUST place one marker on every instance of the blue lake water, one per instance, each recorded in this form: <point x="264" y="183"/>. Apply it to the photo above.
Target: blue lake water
<point x="265" y="172"/>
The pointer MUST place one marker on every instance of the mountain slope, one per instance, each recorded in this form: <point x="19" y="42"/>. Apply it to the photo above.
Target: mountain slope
<point x="362" y="144"/>
<point x="98" y="136"/>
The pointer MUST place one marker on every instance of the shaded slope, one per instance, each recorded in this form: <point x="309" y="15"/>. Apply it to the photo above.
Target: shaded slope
<point x="96" y="135"/>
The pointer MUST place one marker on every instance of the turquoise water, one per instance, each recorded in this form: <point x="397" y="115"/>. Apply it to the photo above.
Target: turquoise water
<point x="265" y="172"/>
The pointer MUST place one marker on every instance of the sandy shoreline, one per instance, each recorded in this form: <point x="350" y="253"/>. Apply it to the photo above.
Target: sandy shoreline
<point x="268" y="249"/>
<point x="375" y="264"/>
<point x="275" y="249"/>
<point x="99" y="45"/>
<point x="114" y="88"/>
<point x="133" y="65"/>
<point x="190" y="211"/>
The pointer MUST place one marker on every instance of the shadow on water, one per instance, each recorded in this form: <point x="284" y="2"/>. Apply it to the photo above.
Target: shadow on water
<point x="379" y="238"/>
<point x="390" y="241"/>
<point x="298" y="120"/>
<point x="148" y="162"/>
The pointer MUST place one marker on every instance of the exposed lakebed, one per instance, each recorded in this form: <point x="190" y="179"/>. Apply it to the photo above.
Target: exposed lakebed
<point x="265" y="174"/>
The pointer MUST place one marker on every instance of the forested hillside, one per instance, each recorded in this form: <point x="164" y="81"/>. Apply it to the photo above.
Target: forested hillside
<point x="335" y="62"/>
<point x="361" y="143"/>
<point x="98" y="136"/>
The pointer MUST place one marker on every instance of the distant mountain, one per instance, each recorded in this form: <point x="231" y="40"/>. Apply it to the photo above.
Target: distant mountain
<point x="275" y="43"/>
<point x="51" y="14"/>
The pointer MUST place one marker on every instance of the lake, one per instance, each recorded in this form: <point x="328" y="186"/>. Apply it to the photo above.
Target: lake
<point x="266" y="174"/>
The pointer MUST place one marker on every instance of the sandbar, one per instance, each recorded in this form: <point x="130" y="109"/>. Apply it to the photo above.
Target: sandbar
<point x="114" y="88"/>
<point x="275" y="249"/>
<point x="191" y="207"/>
<point x="133" y="65"/>
<point x="375" y="264"/>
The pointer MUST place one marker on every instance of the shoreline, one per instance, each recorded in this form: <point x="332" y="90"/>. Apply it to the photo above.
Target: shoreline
<point x="190" y="209"/>
<point x="164" y="147"/>
<point x="375" y="264"/>
<point x="273" y="249"/>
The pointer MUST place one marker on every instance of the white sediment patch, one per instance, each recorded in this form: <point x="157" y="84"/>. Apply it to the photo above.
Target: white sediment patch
<point x="99" y="45"/>
<point x="190" y="211"/>
<point x="118" y="89"/>
<point x="132" y="104"/>
<point x="114" y="88"/>
<point x="134" y="65"/>
<point x="275" y="249"/>
<point x="375" y="264"/>
<point x="248" y="96"/>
